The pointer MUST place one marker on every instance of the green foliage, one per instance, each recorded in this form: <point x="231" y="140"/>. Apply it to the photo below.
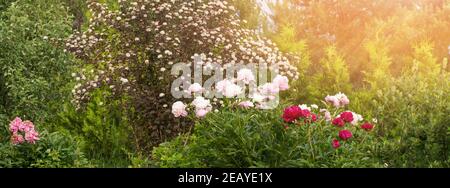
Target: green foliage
<point x="33" y="70"/>
<point x="4" y="4"/>
<point x="253" y="138"/>
<point x="414" y="113"/>
<point x="378" y="74"/>
<point x="103" y="127"/>
<point x="399" y="24"/>
<point x="249" y="12"/>
<point x="330" y="75"/>
<point x="54" y="150"/>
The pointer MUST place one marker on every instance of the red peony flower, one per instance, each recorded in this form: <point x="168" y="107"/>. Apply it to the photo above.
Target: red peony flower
<point x="338" y="122"/>
<point x="335" y="143"/>
<point x="367" y="126"/>
<point x="313" y="117"/>
<point x="347" y="116"/>
<point x="291" y="114"/>
<point x="305" y="113"/>
<point x="345" y="134"/>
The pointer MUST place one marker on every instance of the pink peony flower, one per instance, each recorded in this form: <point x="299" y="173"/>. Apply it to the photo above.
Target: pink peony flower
<point x="15" y="125"/>
<point x="17" y="139"/>
<point x="245" y="75"/>
<point x="333" y="100"/>
<point x="327" y="116"/>
<point x="200" y="113"/>
<point x="343" y="100"/>
<point x="246" y="104"/>
<point x="335" y="143"/>
<point x="338" y="100"/>
<point x="27" y="126"/>
<point x="195" y="88"/>
<point x="345" y="134"/>
<point x="31" y="136"/>
<point x="282" y="82"/>
<point x="19" y="127"/>
<point x="179" y="109"/>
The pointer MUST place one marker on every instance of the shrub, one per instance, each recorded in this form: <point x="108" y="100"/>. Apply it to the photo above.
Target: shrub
<point x="260" y="138"/>
<point x="414" y="114"/>
<point x="33" y="70"/>
<point x="103" y="128"/>
<point x="330" y="75"/>
<point x="131" y="46"/>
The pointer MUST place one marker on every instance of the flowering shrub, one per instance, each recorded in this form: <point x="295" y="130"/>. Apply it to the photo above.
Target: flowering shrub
<point x="23" y="131"/>
<point x="132" y="49"/>
<point x="251" y="137"/>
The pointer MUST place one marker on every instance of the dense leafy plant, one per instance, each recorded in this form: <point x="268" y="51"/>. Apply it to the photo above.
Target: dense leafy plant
<point x="4" y="4"/>
<point x="414" y="113"/>
<point x="103" y="128"/>
<point x="33" y="70"/>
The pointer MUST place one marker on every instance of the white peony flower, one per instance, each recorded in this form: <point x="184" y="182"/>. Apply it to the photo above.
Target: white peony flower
<point x="179" y="109"/>
<point x="356" y="118"/>
<point x="195" y="88"/>
<point x="201" y="103"/>
<point x="304" y="107"/>
<point x="232" y="90"/>
<point x="245" y="75"/>
<point x="282" y="82"/>
<point x="269" y="89"/>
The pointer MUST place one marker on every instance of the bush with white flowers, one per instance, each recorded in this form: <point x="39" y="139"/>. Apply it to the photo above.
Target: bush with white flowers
<point x="131" y="50"/>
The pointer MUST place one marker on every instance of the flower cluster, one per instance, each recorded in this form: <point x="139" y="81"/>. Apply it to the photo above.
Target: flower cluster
<point x="22" y="131"/>
<point x="302" y="114"/>
<point x="338" y="100"/>
<point x="263" y="97"/>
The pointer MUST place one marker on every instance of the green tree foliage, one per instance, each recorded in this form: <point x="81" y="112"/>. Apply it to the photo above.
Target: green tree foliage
<point x="350" y="25"/>
<point x="330" y="75"/>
